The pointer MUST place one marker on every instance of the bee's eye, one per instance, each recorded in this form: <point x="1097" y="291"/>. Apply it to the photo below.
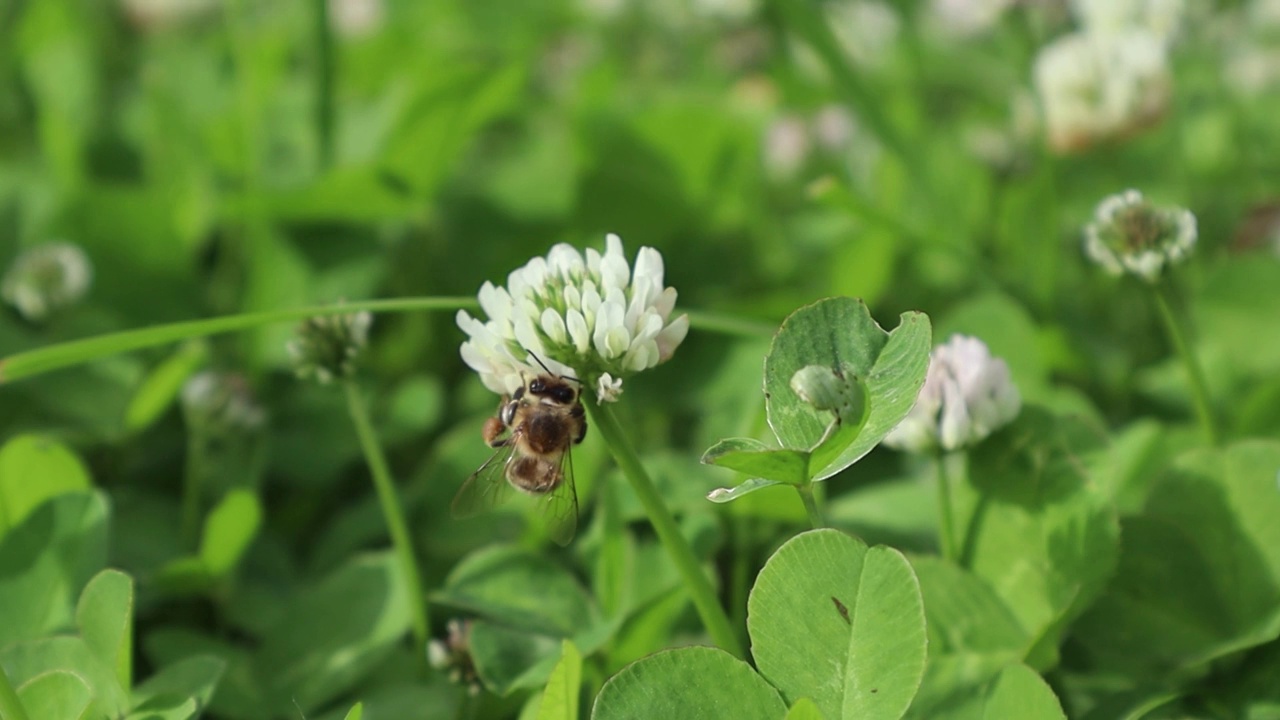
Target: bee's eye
<point x="564" y="394"/>
<point x="537" y="386"/>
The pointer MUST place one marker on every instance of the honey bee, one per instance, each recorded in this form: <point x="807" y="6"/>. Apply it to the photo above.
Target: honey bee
<point x="545" y="417"/>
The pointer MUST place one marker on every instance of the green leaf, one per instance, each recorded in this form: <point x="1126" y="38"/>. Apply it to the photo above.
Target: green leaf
<point x="724" y="495"/>
<point x="509" y="659"/>
<point x="759" y="460"/>
<point x="162" y="386"/>
<point x="839" y="333"/>
<point x="194" y="678"/>
<point x="29" y="659"/>
<point x="105" y="618"/>
<point x="32" y="470"/>
<point x="166" y="707"/>
<point x="355" y="713"/>
<point x="693" y="682"/>
<point x="363" y="610"/>
<point x="56" y="695"/>
<point x="1199" y="573"/>
<point x="520" y="589"/>
<point x="1036" y="526"/>
<point x="1019" y="692"/>
<point x="842" y="624"/>
<point x="228" y="531"/>
<point x="964" y="614"/>
<point x="804" y="709"/>
<point x="46" y="560"/>
<point x="560" y="699"/>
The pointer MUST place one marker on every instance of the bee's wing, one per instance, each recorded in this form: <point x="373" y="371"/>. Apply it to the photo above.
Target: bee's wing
<point x="561" y="504"/>
<point x="487" y="487"/>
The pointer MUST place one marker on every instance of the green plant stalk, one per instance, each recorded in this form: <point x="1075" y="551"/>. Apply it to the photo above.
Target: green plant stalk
<point x="946" y="529"/>
<point x="729" y="325"/>
<point x="1199" y="389"/>
<point x="392" y="512"/>
<point x="10" y="707"/>
<point x="53" y="357"/>
<point x="325" y="61"/>
<point x="695" y="581"/>
<point x="193" y="484"/>
<point x="811" y="505"/>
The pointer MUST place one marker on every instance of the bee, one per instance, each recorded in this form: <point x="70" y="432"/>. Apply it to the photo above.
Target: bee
<point x="545" y="418"/>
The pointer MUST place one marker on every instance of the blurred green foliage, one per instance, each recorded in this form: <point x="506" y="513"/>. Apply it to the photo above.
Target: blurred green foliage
<point x="214" y="157"/>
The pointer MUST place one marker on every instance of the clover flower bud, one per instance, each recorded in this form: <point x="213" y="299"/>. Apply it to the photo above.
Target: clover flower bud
<point x="967" y="395"/>
<point x="843" y="393"/>
<point x="588" y="315"/>
<point x="221" y="402"/>
<point x="452" y="655"/>
<point x="327" y="346"/>
<point x="1129" y="234"/>
<point x="46" y="278"/>
<point x="1095" y="87"/>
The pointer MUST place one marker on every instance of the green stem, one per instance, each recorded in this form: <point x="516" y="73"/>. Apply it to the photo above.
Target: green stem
<point x="42" y="360"/>
<point x="193" y="486"/>
<point x="1199" y="390"/>
<point x="392" y="513"/>
<point x="946" y="530"/>
<point x="811" y="505"/>
<point x="324" y="82"/>
<point x="729" y="325"/>
<point x="10" y="707"/>
<point x="695" y="580"/>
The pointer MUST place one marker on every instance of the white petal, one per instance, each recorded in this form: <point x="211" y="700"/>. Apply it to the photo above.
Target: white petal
<point x="553" y="326"/>
<point x="665" y="303"/>
<point x="671" y="337"/>
<point x="528" y="337"/>
<point x="578" y="331"/>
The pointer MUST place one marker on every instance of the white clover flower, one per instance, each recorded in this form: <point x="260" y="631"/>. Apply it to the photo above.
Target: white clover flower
<point x="1095" y="87"/>
<point x="967" y="395"/>
<point x="45" y="278"/>
<point x="588" y="316"/>
<point x="1129" y="234"/>
<point x="327" y="346"/>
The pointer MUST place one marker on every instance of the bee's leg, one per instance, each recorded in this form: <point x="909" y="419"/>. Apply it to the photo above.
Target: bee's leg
<point x="578" y="413"/>
<point x="493" y="427"/>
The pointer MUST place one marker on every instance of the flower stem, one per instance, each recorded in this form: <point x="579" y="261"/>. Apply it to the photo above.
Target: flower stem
<point x="193" y="486"/>
<point x="695" y="580"/>
<point x="811" y="505"/>
<point x="10" y="707"/>
<point x="706" y="321"/>
<point x="946" y="530"/>
<point x="1199" y="390"/>
<point x="53" y="357"/>
<point x="392" y="512"/>
<point x="324" y="82"/>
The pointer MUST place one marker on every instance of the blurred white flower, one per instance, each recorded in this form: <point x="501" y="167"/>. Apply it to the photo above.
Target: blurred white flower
<point x="586" y="316"/>
<point x="327" y="346"/>
<point x="967" y="17"/>
<point x="834" y="128"/>
<point x="45" y="278"/>
<point x="152" y="15"/>
<point x="1095" y="87"/>
<point x="786" y="146"/>
<point x="1161" y="18"/>
<point x="356" y="18"/>
<point x="452" y="655"/>
<point x="967" y="395"/>
<point x="865" y="29"/>
<point x="221" y="402"/>
<point x="1129" y="234"/>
